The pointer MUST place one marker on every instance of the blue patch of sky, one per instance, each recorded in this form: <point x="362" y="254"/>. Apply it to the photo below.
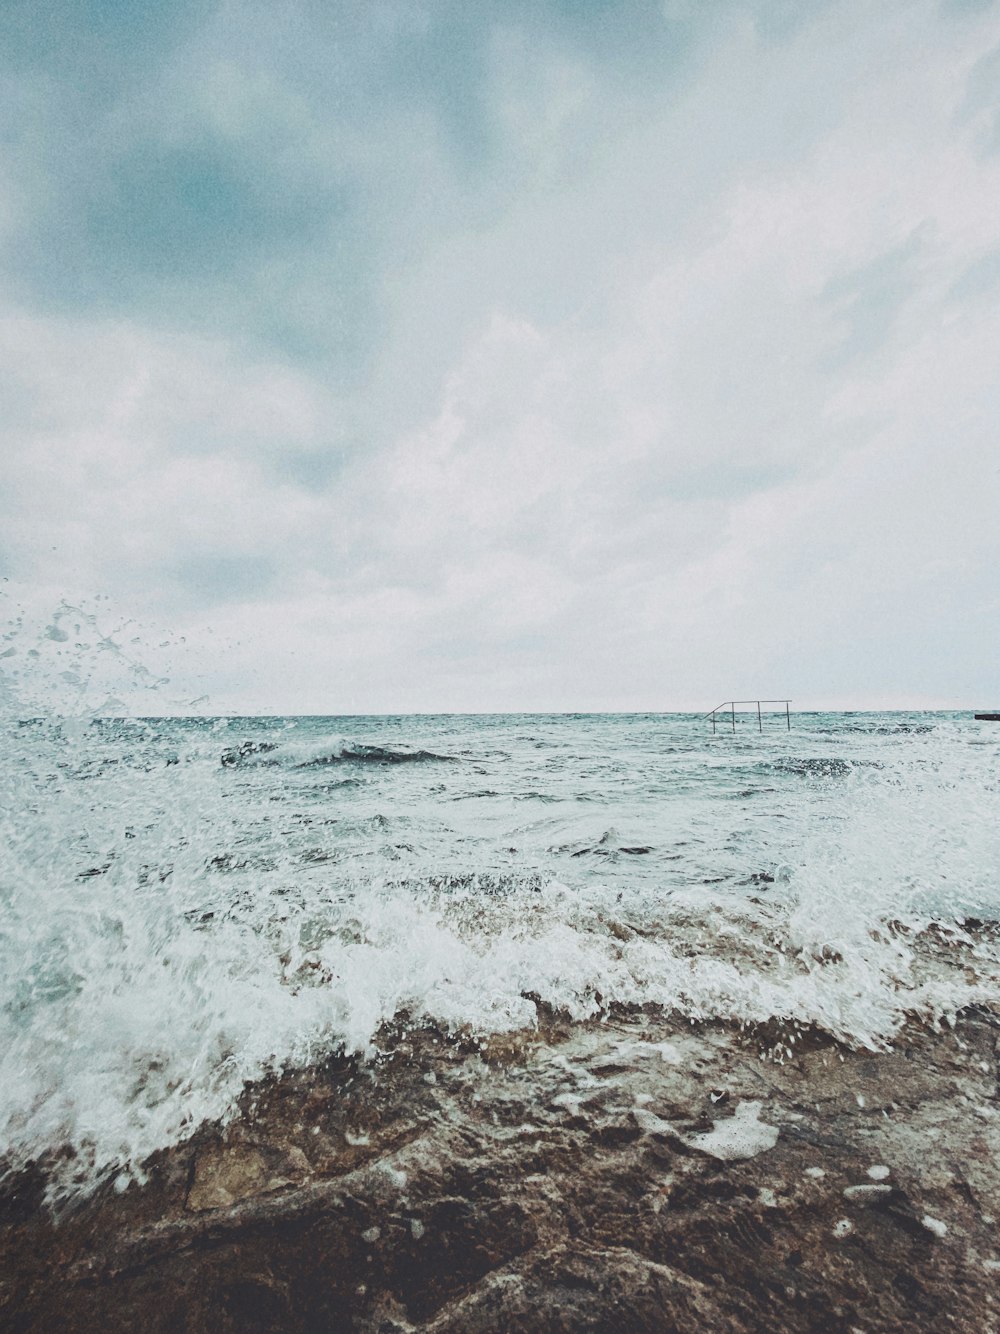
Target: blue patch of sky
<point x="96" y="41"/>
<point x="197" y="209"/>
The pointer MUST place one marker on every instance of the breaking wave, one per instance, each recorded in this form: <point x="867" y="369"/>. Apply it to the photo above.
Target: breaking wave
<point x="315" y="754"/>
<point x="171" y="932"/>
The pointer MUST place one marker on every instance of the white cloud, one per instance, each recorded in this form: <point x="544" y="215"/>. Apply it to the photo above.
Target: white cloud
<point x="698" y="411"/>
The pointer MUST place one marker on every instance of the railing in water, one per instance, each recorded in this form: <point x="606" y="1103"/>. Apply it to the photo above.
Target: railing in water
<point x="730" y="705"/>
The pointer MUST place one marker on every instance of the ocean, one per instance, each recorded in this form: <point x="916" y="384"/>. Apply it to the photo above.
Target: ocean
<point x="193" y="905"/>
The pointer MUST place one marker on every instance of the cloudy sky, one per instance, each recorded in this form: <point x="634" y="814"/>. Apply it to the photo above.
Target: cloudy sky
<point x="524" y="354"/>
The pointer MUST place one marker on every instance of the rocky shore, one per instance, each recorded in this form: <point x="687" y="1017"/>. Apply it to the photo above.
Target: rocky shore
<point x="633" y="1174"/>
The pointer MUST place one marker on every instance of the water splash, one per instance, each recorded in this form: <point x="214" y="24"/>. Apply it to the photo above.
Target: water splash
<point x="173" y="928"/>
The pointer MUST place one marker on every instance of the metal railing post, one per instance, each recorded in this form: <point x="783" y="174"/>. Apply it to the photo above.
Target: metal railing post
<point x="732" y="703"/>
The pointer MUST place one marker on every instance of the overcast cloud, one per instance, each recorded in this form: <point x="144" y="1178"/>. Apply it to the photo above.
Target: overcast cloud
<point x="545" y="354"/>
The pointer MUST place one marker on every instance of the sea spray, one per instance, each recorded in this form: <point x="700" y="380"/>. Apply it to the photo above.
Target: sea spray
<point x="175" y="927"/>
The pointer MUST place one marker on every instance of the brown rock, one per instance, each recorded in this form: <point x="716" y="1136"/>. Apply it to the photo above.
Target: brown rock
<point x="627" y="1175"/>
<point x="224" y="1174"/>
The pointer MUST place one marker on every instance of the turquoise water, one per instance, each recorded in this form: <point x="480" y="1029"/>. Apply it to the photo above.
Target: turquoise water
<point x="192" y="904"/>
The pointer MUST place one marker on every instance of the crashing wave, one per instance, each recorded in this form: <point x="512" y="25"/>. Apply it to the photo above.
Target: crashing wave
<point x="316" y="754"/>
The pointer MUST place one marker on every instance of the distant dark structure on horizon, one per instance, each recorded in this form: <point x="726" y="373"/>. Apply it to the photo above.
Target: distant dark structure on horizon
<point x="988" y="717"/>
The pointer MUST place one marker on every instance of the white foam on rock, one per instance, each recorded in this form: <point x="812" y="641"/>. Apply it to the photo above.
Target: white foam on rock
<point x="649" y="1123"/>
<point x="570" y="1101"/>
<point x="742" y="1135"/>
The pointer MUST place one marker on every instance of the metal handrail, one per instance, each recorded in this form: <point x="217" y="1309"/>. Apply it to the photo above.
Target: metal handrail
<point x="732" y="703"/>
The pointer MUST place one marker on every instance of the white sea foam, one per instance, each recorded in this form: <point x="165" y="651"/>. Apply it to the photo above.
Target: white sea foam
<point x="742" y="1135"/>
<point x="172" y="930"/>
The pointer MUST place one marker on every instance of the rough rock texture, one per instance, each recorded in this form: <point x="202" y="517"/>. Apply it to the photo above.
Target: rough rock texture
<point x="630" y="1175"/>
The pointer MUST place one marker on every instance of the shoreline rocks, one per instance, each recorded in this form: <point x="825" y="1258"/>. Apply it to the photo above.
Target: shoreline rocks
<point x="634" y="1174"/>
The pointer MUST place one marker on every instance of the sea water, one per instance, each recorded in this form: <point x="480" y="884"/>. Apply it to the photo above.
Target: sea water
<point x="189" y="905"/>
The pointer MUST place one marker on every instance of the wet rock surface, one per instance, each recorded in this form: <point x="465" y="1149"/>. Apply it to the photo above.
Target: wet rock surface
<point x="630" y="1175"/>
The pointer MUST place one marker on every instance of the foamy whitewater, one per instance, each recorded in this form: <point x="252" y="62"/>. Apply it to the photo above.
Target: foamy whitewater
<point x="189" y="905"/>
